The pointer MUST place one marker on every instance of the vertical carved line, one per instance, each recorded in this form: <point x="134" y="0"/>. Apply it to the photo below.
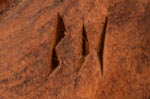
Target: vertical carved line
<point x="55" y="61"/>
<point x="60" y="29"/>
<point x="85" y="43"/>
<point x="102" y="44"/>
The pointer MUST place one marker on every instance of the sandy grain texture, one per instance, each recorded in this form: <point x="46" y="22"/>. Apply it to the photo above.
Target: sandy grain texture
<point x="74" y="49"/>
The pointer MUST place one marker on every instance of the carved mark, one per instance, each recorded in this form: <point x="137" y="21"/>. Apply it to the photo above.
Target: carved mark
<point x="55" y="61"/>
<point x="102" y="43"/>
<point x="60" y="29"/>
<point x="85" y="45"/>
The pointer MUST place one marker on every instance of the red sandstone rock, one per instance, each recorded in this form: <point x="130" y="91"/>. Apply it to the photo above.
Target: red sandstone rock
<point x="75" y="49"/>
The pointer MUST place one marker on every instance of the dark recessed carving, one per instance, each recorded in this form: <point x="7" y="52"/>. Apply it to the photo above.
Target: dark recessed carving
<point x="102" y="43"/>
<point x="60" y="29"/>
<point x="85" y="45"/>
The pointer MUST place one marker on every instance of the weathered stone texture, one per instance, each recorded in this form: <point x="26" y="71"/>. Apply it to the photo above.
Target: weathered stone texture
<point x="74" y="49"/>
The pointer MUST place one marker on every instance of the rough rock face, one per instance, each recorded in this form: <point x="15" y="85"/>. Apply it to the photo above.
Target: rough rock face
<point x="75" y="49"/>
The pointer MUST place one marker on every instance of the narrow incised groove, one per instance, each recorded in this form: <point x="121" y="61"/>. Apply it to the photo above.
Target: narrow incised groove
<point x="60" y="29"/>
<point x="55" y="61"/>
<point x="102" y="44"/>
<point x="85" y="43"/>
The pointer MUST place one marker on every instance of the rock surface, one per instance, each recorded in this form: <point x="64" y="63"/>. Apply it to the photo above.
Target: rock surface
<point x="75" y="49"/>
